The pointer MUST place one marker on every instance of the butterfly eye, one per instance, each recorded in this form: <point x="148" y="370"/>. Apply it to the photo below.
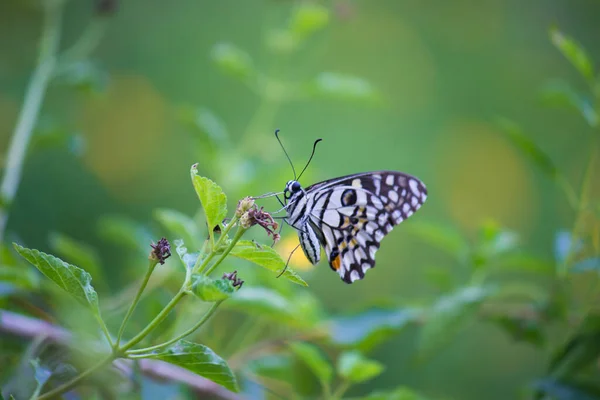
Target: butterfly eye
<point x="295" y="187"/>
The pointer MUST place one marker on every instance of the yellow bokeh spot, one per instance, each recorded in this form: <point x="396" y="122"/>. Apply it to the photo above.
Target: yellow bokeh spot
<point x="481" y="176"/>
<point x="298" y="260"/>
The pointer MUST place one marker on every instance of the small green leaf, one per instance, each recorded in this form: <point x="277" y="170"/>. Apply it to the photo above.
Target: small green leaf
<point x="200" y="360"/>
<point x="233" y="61"/>
<point x="589" y="264"/>
<point x="494" y="242"/>
<point x="84" y="76"/>
<point x="70" y="278"/>
<point x="581" y="350"/>
<point x="315" y="360"/>
<point x="525" y="262"/>
<point x="401" y="393"/>
<point x="356" y="368"/>
<point x="529" y="148"/>
<point x="307" y="19"/>
<point x="214" y="201"/>
<point x="560" y="94"/>
<point x="180" y="225"/>
<point x="211" y="290"/>
<point x="442" y="237"/>
<point x="368" y="329"/>
<point x="273" y="366"/>
<point x="573" y="51"/>
<point x="343" y="87"/>
<point x="81" y="254"/>
<point x="266" y="257"/>
<point x="449" y="314"/>
<point x="188" y="260"/>
<point x="205" y="123"/>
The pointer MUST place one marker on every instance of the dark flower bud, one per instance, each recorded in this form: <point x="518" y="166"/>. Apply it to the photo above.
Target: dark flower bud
<point x="160" y="251"/>
<point x="232" y="276"/>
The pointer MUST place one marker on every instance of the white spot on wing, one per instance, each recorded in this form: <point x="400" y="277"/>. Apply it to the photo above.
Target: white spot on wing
<point x="405" y="208"/>
<point x="370" y="227"/>
<point x="414" y="186"/>
<point x="354" y="276"/>
<point x="397" y="215"/>
<point x="379" y="235"/>
<point x="414" y="201"/>
<point x="389" y="180"/>
<point x="376" y="202"/>
<point x="382" y="218"/>
<point x="393" y="196"/>
<point x="372" y="251"/>
<point x="356" y="183"/>
<point x="365" y="267"/>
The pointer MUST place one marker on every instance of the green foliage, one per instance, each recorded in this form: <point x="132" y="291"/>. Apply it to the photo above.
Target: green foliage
<point x="70" y="278"/>
<point x="41" y="374"/>
<point x="561" y="94"/>
<point x="214" y="201"/>
<point x="211" y="290"/>
<point x="200" y="360"/>
<point x="179" y="225"/>
<point x="366" y="330"/>
<point x="356" y="368"/>
<point x="266" y="257"/>
<point x="573" y="52"/>
<point x="233" y="61"/>
<point x="401" y="393"/>
<point x="580" y="351"/>
<point x="315" y="360"/>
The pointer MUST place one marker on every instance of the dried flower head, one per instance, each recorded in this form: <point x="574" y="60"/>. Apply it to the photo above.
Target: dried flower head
<point x="243" y="206"/>
<point x="160" y="251"/>
<point x="232" y="276"/>
<point x="256" y="216"/>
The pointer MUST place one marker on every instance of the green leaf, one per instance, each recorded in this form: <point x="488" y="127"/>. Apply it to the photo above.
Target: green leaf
<point x="531" y="150"/>
<point x="580" y="351"/>
<point x="273" y="366"/>
<point x="81" y="254"/>
<point x="449" y="314"/>
<point x="494" y="242"/>
<point x="560" y="94"/>
<point x="368" y="329"/>
<point x="188" y="260"/>
<point x="315" y="360"/>
<point x="525" y="262"/>
<point x="343" y="87"/>
<point x="442" y="237"/>
<point x="401" y="393"/>
<point x="211" y="290"/>
<point x="214" y="201"/>
<point x="307" y="19"/>
<point x="180" y="225"/>
<point x="70" y="278"/>
<point x="14" y="278"/>
<point x="266" y="257"/>
<point x="263" y="301"/>
<point x="573" y="51"/>
<point x="233" y="61"/>
<point x="356" y="368"/>
<point x="84" y="76"/>
<point x="204" y="123"/>
<point x="200" y="360"/>
<point x="589" y="264"/>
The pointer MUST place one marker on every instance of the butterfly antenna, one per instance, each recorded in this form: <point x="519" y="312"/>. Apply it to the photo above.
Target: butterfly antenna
<point x="286" y="154"/>
<point x="311" y="157"/>
<point x="288" y="260"/>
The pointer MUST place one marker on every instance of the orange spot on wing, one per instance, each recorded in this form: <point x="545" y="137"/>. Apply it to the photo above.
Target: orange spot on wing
<point x="335" y="263"/>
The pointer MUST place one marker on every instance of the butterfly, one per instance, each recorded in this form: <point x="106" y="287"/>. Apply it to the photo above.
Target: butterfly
<point x="350" y="215"/>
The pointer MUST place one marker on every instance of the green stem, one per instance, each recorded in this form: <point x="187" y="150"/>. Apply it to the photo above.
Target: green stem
<point x="188" y="332"/>
<point x="86" y="43"/>
<point x="154" y="323"/>
<point x="104" y="329"/>
<point x="341" y="389"/>
<point x="32" y="104"/>
<point x="73" y="382"/>
<point x="201" y="266"/>
<point x="136" y="300"/>
<point x="240" y="232"/>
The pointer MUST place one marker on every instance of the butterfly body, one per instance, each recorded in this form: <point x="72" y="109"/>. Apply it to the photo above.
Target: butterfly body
<point x="349" y="216"/>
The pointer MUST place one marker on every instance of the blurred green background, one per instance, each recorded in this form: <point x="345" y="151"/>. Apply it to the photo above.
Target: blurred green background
<point x="431" y="79"/>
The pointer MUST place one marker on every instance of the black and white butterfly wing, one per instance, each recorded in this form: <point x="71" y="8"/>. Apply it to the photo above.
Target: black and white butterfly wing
<point x="350" y="216"/>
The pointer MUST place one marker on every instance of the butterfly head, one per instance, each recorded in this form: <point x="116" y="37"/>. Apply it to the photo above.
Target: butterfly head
<point x="291" y="188"/>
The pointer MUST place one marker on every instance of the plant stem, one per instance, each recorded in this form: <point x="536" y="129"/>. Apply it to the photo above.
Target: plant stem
<point x="240" y="232"/>
<point x="199" y="267"/>
<point x="341" y="389"/>
<point x="154" y="323"/>
<point x="136" y="299"/>
<point x="32" y="103"/>
<point x="104" y="330"/>
<point x="205" y="318"/>
<point x="73" y="382"/>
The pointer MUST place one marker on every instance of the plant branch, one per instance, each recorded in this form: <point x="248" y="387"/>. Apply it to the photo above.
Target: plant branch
<point x="240" y="232"/>
<point x="32" y="103"/>
<point x="136" y="299"/>
<point x="188" y="332"/>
